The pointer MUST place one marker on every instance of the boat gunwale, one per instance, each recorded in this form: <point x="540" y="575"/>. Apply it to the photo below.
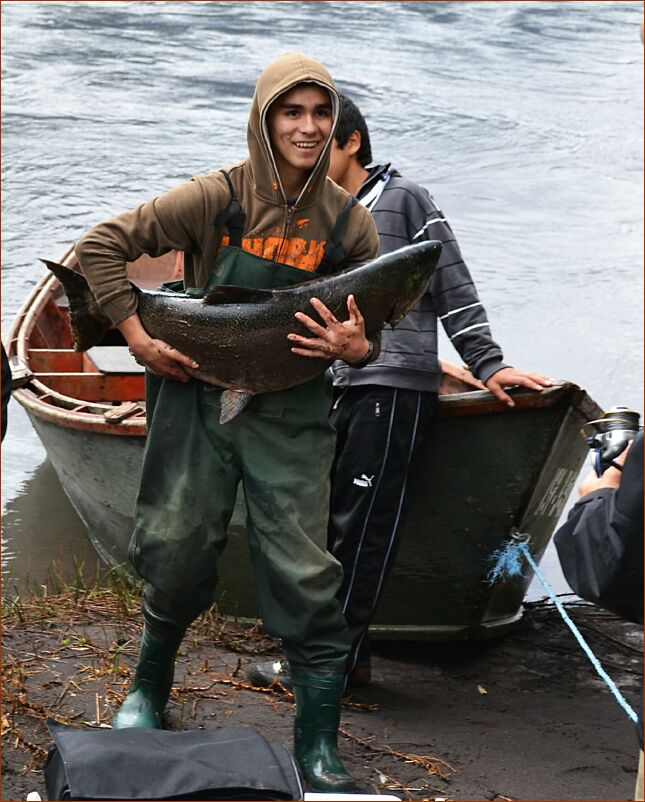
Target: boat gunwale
<point x="32" y="397"/>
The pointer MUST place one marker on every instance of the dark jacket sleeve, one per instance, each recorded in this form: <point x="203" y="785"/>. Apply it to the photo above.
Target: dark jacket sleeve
<point x="601" y="545"/>
<point x="6" y="389"/>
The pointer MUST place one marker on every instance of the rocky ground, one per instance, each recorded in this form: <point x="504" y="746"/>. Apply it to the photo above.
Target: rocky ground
<point x="525" y="717"/>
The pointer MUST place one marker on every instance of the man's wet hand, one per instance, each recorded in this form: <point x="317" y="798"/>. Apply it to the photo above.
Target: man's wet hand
<point x="509" y="377"/>
<point x="163" y="360"/>
<point x="335" y="339"/>
<point x="160" y="358"/>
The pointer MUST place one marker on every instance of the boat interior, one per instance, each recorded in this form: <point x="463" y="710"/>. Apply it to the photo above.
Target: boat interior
<point x="105" y="379"/>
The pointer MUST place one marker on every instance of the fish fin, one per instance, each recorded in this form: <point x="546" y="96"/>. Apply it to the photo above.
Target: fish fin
<point x="229" y="294"/>
<point x="89" y="322"/>
<point x="232" y="403"/>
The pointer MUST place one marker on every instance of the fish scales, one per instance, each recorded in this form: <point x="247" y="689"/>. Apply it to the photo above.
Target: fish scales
<point x="238" y="336"/>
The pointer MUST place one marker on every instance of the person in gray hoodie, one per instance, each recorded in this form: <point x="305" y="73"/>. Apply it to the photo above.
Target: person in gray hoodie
<point x="382" y="412"/>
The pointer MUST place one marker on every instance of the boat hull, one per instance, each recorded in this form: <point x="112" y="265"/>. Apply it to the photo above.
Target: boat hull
<point x="478" y="481"/>
<point x="484" y="471"/>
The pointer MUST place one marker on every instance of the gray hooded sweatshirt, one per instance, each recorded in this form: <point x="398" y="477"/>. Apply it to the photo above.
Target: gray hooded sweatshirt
<point x="405" y="213"/>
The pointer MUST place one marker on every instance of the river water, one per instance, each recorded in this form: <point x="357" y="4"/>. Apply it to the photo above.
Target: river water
<point x="524" y="120"/>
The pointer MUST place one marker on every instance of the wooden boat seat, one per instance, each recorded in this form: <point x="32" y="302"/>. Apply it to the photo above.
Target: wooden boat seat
<point x="95" y="387"/>
<point x="114" y="359"/>
<point x="105" y="373"/>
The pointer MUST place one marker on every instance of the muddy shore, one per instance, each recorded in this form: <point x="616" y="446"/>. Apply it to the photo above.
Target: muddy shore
<point x="522" y="717"/>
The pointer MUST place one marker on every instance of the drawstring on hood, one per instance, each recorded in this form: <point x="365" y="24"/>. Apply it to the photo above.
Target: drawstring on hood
<point x="279" y="77"/>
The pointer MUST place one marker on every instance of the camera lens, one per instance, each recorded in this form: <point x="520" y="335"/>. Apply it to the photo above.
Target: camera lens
<point x="619" y="418"/>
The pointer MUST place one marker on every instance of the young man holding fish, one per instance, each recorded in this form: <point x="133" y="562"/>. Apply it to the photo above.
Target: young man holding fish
<point x="265" y="222"/>
<point x="383" y="413"/>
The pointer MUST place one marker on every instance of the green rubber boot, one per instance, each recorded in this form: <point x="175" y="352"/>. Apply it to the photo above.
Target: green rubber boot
<point x="150" y="689"/>
<point x="318" y="698"/>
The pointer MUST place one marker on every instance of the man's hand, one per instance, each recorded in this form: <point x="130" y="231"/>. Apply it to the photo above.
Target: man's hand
<point x="462" y="374"/>
<point x="610" y="478"/>
<point x="507" y="377"/>
<point x="156" y="355"/>
<point x="335" y="340"/>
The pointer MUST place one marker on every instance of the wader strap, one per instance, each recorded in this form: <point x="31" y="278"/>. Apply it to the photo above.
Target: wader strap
<point x="232" y="217"/>
<point x="334" y="253"/>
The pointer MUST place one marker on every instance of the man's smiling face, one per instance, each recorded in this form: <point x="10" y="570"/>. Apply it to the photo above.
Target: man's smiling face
<point x="300" y="123"/>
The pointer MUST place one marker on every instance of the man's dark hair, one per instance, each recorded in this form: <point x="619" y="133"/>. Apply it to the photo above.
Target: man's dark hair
<point x="351" y="120"/>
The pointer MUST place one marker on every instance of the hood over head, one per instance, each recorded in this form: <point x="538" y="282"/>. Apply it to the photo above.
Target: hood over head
<point x="280" y="76"/>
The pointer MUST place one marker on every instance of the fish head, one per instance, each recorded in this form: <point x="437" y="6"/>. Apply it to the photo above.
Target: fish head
<point x="417" y="264"/>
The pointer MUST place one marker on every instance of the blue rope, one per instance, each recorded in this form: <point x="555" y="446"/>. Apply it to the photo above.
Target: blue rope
<point x="508" y="563"/>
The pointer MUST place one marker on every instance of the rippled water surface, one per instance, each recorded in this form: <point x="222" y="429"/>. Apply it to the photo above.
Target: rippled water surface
<point x="525" y="121"/>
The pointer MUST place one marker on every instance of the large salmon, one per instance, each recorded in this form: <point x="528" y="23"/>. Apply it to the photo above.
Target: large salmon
<point x="238" y="336"/>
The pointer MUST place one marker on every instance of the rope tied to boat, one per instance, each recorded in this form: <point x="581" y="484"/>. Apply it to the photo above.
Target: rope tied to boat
<point x="506" y="562"/>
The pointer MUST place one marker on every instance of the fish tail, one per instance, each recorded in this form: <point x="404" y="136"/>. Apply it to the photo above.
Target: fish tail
<point x="89" y="322"/>
<point x="232" y="403"/>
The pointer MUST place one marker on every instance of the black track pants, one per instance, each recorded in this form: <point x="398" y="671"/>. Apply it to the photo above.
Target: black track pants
<point x="379" y="430"/>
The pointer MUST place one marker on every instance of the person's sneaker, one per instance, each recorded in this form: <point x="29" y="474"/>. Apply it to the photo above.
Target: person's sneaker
<point x="276" y="672"/>
<point x="266" y="675"/>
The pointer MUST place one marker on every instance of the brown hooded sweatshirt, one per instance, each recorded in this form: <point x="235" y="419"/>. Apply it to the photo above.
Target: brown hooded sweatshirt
<point x="183" y="218"/>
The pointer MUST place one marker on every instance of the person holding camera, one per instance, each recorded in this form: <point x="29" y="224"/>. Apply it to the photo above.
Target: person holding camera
<point x="601" y="544"/>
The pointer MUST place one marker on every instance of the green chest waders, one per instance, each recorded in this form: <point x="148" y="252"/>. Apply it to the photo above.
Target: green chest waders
<point x="281" y="447"/>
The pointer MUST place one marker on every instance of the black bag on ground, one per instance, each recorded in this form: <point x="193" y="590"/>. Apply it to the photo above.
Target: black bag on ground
<point x="229" y="763"/>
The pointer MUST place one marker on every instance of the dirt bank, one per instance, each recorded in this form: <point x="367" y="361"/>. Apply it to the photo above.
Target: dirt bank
<point x="525" y="717"/>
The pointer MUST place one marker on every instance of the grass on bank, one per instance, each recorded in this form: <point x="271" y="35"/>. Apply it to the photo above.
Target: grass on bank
<point x="104" y="591"/>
